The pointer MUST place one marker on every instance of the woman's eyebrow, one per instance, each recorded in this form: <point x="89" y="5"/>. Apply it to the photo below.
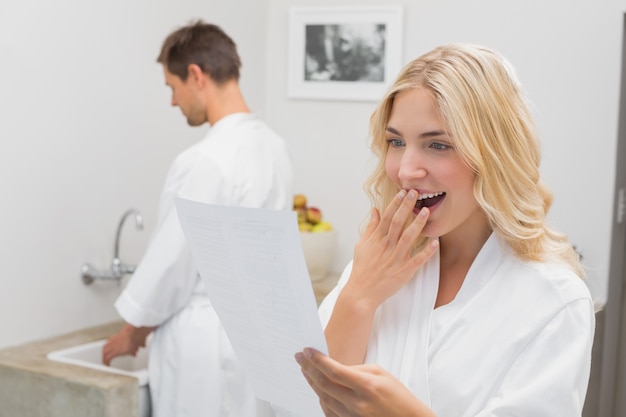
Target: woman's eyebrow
<point x="434" y="133"/>
<point x="392" y="130"/>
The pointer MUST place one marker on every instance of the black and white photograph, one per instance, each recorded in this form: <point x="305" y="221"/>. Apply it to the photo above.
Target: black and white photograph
<point x="343" y="53"/>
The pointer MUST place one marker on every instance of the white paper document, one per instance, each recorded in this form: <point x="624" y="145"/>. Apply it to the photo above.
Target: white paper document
<point x="252" y="264"/>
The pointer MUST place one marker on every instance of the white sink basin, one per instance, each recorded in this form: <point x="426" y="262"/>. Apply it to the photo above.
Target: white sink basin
<point x="89" y="355"/>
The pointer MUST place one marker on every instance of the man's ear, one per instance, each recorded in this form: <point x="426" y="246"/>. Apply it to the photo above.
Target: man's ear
<point x="196" y="74"/>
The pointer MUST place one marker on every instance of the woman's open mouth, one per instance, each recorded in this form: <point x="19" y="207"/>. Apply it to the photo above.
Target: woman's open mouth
<point x="429" y="200"/>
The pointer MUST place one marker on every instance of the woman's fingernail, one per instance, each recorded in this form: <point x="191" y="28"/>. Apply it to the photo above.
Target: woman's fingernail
<point x="308" y="352"/>
<point x="299" y="357"/>
<point x="401" y="194"/>
<point x="412" y="194"/>
<point x="423" y="212"/>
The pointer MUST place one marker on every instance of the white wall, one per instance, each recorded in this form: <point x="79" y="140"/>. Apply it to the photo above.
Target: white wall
<point x="567" y="54"/>
<point x="86" y="130"/>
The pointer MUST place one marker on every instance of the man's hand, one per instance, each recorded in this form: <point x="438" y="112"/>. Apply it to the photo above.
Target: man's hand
<point x="126" y="342"/>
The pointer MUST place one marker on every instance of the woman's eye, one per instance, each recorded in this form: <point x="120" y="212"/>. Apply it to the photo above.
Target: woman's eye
<point x="440" y="146"/>
<point x="395" y="143"/>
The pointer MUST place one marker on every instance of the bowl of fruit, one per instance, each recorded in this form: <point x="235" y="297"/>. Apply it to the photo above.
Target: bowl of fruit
<point x="319" y="238"/>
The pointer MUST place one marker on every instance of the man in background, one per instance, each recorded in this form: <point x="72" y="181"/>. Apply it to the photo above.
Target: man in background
<point x="241" y="162"/>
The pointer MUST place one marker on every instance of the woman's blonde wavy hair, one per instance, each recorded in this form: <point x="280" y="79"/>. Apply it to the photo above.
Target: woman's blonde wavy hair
<point x="487" y="115"/>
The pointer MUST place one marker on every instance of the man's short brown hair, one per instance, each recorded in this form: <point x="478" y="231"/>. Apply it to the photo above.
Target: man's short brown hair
<point x="205" y="45"/>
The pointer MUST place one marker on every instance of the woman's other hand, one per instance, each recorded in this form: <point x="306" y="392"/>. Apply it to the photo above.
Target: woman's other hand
<point x="358" y="390"/>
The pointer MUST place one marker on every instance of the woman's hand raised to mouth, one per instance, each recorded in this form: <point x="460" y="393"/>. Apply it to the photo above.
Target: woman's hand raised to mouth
<point x="383" y="258"/>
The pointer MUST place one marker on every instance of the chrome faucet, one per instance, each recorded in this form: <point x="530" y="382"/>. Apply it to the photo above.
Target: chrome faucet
<point x="118" y="269"/>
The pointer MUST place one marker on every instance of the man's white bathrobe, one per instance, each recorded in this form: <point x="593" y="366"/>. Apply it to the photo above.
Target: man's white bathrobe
<point x="515" y="342"/>
<point x="193" y="371"/>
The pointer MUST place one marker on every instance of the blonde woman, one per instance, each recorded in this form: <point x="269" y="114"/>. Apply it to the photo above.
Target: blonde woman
<point x="460" y="300"/>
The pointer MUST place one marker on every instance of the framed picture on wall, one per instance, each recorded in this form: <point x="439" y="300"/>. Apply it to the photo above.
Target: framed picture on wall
<point x="344" y="52"/>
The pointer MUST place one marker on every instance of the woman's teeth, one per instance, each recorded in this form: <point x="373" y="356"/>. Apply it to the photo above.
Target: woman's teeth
<point x="429" y="200"/>
<point x="425" y="196"/>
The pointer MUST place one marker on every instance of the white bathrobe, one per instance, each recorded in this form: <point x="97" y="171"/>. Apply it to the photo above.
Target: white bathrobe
<point x="193" y="370"/>
<point x="515" y="342"/>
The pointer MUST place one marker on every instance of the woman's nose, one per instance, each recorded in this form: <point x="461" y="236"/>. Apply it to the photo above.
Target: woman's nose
<point x="411" y="167"/>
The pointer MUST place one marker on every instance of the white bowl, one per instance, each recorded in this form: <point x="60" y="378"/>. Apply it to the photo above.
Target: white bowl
<point x="319" y="250"/>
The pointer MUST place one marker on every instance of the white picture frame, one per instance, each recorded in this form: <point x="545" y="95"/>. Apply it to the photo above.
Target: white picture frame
<point x="344" y="52"/>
